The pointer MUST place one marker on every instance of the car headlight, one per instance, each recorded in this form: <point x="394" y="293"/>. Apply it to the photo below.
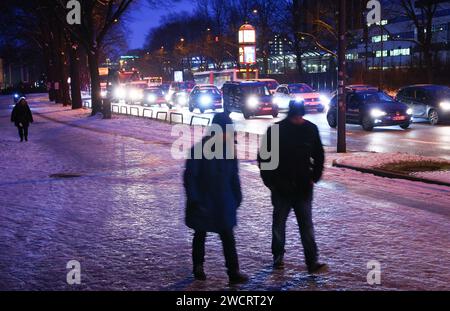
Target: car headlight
<point x="409" y="111"/>
<point x="205" y="100"/>
<point x="151" y="98"/>
<point x="136" y="95"/>
<point x="299" y="99"/>
<point x="182" y="99"/>
<point x="16" y="95"/>
<point x="252" y="102"/>
<point x="120" y="93"/>
<point x="377" y="113"/>
<point x="324" y="100"/>
<point x="445" y="105"/>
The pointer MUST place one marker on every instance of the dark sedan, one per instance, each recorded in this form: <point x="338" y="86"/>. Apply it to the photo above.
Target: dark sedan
<point x="205" y="97"/>
<point x="430" y="102"/>
<point x="371" y="108"/>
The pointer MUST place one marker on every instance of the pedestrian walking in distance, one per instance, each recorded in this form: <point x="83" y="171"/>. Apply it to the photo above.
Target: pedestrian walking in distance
<point x="213" y="194"/>
<point x="301" y="161"/>
<point x="22" y="117"/>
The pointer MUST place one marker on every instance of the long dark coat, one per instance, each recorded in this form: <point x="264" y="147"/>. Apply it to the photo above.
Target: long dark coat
<point x="21" y="114"/>
<point x="213" y="194"/>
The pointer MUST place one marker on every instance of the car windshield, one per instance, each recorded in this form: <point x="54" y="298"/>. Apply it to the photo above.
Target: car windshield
<point x="155" y="91"/>
<point x="257" y="90"/>
<point x="272" y="85"/>
<point x="212" y="91"/>
<point x="186" y="85"/>
<point x="140" y="86"/>
<point x="300" y="88"/>
<point x="375" y="97"/>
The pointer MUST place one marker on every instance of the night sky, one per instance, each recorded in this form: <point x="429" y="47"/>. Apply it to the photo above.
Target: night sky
<point x="143" y="18"/>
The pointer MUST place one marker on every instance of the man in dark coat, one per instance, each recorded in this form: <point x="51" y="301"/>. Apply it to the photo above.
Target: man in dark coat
<point x="213" y="194"/>
<point x="301" y="161"/>
<point x="22" y="117"/>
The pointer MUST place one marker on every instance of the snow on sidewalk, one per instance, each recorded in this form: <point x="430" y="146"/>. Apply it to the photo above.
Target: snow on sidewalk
<point x="123" y="219"/>
<point x="379" y="160"/>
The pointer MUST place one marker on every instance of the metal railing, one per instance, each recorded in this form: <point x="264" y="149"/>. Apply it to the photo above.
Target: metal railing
<point x="176" y="114"/>
<point x="197" y="117"/>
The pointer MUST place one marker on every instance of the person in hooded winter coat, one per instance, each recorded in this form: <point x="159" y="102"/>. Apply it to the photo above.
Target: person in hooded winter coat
<point x="21" y="116"/>
<point x="213" y="194"/>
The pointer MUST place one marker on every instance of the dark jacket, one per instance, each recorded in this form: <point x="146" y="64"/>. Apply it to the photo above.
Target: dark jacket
<point x="213" y="194"/>
<point x="301" y="159"/>
<point x="21" y="114"/>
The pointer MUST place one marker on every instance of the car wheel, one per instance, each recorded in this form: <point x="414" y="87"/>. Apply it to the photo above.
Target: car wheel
<point x="321" y="109"/>
<point x="275" y="114"/>
<point x="202" y="110"/>
<point x="170" y="106"/>
<point x="246" y="115"/>
<point x="332" y="120"/>
<point x="367" y="124"/>
<point x="405" y="126"/>
<point x="433" y="116"/>
<point x="191" y="109"/>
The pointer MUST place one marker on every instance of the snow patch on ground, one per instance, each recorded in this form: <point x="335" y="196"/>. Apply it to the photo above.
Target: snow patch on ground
<point x="376" y="160"/>
<point x="443" y="176"/>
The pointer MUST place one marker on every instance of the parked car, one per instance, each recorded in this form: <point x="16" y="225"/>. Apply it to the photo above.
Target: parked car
<point x="179" y="93"/>
<point x="371" y="108"/>
<point x="285" y="93"/>
<point x="205" y="97"/>
<point x="431" y="102"/>
<point x="154" y="96"/>
<point x="249" y="97"/>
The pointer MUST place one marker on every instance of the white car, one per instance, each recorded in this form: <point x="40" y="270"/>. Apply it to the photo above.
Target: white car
<point x="285" y="93"/>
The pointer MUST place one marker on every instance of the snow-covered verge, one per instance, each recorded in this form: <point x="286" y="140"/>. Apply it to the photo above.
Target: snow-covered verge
<point x="443" y="176"/>
<point x="372" y="160"/>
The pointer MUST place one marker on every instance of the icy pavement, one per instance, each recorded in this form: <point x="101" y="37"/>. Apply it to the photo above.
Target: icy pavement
<point x="123" y="218"/>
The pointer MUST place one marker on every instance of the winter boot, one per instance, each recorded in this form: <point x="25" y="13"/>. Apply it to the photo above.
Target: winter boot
<point x="199" y="273"/>
<point x="317" y="268"/>
<point x="278" y="262"/>
<point x="237" y="278"/>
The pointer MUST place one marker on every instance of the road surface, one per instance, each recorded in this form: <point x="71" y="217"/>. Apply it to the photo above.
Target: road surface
<point x="421" y="139"/>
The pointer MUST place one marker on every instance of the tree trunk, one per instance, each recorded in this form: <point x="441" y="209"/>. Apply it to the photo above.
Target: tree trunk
<point x="75" y="79"/>
<point x="95" y="81"/>
<point x="429" y="65"/>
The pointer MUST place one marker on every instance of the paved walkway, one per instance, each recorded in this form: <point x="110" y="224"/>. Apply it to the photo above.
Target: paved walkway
<point x="123" y="218"/>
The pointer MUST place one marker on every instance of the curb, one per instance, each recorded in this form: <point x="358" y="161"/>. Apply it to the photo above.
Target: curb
<point x="388" y="174"/>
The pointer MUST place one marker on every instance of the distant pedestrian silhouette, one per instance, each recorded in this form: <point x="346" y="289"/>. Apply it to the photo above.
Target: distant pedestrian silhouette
<point x="22" y="117"/>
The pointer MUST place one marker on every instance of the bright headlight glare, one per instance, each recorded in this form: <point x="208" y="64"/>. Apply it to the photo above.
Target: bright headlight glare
<point x="135" y="94"/>
<point x="151" y="98"/>
<point x="299" y="99"/>
<point x="409" y="111"/>
<point x="377" y="113"/>
<point x="445" y="105"/>
<point x="16" y="95"/>
<point x="120" y="93"/>
<point x="325" y="100"/>
<point x="103" y="94"/>
<point x="252" y="102"/>
<point x="182" y="100"/>
<point x="205" y="100"/>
